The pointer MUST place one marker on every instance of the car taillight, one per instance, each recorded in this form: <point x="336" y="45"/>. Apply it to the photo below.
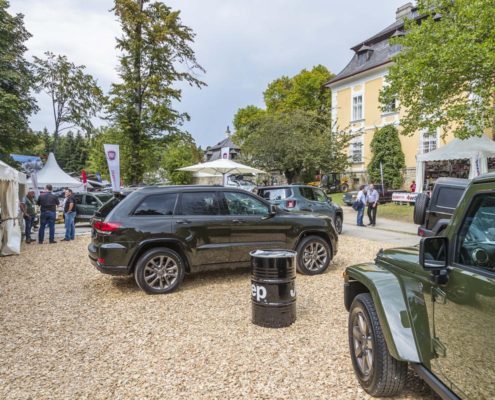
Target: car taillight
<point x="106" y="227"/>
<point x="290" y="203"/>
<point x="421" y="232"/>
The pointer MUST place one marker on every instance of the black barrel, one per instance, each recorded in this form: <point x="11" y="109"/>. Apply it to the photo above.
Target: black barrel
<point x="273" y="290"/>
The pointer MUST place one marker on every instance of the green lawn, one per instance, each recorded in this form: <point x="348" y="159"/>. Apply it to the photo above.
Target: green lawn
<point x="396" y="212"/>
<point x="392" y="211"/>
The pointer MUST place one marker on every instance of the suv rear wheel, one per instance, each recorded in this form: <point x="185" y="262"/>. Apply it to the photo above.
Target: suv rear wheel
<point x="338" y="223"/>
<point x="159" y="271"/>
<point x="378" y="372"/>
<point x="313" y="255"/>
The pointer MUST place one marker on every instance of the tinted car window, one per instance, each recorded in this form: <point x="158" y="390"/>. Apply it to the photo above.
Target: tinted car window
<point x="157" y="204"/>
<point x="307" y="193"/>
<point x="319" y="195"/>
<point x="78" y="198"/>
<point x="91" y="201"/>
<point x="275" y="194"/>
<point x="448" y="197"/>
<point x="243" y="204"/>
<point x="199" y="203"/>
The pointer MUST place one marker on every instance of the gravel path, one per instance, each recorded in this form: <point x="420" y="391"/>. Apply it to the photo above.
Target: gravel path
<point x="68" y="331"/>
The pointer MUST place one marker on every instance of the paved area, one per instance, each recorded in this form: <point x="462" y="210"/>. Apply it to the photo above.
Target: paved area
<point x="393" y="232"/>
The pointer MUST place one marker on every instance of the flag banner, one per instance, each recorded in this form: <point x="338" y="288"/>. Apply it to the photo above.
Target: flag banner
<point x="113" y="161"/>
<point x="225" y="153"/>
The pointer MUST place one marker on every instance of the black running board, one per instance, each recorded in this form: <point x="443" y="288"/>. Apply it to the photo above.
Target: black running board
<point x="436" y="384"/>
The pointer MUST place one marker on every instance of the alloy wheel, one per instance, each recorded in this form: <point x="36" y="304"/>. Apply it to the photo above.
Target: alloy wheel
<point x="161" y="272"/>
<point x="314" y="256"/>
<point x="362" y="343"/>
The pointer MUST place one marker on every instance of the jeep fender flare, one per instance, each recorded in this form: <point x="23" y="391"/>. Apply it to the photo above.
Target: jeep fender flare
<point x="393" y="315"/>
<point x="164" y="242"/>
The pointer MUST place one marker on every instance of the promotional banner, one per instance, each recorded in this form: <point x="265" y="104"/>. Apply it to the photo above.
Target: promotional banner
<point x="113" y="160"/>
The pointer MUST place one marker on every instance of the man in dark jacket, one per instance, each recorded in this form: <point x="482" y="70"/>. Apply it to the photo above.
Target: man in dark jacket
<point x="69" y="215"/>
<point x="48" y="203"/>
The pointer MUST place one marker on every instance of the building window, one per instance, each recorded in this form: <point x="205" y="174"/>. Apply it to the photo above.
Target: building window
<point x="429" y="142"/>
<point x="357" y="108"/>
<point x="356" y="151"/>
<point x="390" y="107"/>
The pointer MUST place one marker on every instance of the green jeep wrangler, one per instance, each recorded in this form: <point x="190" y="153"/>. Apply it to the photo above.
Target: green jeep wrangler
<point x="431" y="307"/>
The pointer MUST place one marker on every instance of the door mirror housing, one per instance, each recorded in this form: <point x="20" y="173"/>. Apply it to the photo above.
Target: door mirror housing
<point x="273" y="210"/>
<point x="433" y="253"/>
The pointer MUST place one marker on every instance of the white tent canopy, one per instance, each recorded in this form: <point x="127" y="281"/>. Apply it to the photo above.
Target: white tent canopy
<point x="52" y="174"/>
<point x="10" y="233"/>
<point x="222" y="166"/>
<point x="476" y="149"/>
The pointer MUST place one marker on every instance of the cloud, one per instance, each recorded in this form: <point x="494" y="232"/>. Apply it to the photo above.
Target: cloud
<point x="242" y="44"/>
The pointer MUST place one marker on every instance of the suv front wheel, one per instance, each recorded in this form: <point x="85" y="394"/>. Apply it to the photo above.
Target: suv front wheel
<point x="159" y="271"/>
<point x="378" y="372"/>
<point x="313" y="255"/>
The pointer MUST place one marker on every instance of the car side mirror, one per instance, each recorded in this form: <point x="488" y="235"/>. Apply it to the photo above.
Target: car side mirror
<point x="433" y="252"/>
<point x="272" y="212"/>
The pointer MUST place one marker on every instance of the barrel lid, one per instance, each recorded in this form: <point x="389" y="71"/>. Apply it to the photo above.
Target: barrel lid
<point x="273" y="253"/>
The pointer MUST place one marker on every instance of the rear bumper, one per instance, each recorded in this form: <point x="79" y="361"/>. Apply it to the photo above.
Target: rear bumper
<point x="100" y="262"/>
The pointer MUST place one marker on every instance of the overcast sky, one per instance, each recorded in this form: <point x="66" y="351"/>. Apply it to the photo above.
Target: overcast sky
<point x="242" y="44"/>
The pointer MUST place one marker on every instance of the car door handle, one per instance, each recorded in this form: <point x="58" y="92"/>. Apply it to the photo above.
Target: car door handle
<point x="183" y="221"/>
<point x="238" y="221"/>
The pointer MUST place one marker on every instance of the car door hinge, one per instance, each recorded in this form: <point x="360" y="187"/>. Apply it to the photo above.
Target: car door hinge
<point x="439" y="348"/>
<point x="439" y="296"/>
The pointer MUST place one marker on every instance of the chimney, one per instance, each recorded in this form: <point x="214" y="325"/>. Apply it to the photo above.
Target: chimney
<point x="403" y="11"/>
<point x="227" y="132"/>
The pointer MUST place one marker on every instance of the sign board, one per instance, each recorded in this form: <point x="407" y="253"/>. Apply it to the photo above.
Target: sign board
<point x="404" y="197"/>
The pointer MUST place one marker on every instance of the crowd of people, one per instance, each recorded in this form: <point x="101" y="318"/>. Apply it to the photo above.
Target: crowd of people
<point x="48" y="204"/>
<point x="368" y="197"/>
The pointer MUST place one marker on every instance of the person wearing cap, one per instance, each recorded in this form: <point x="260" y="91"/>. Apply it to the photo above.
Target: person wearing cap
<point x="29" y="213"/>
<point x="48" y="203"/>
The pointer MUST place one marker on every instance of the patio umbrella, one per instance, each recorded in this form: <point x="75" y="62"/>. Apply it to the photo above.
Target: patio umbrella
<point x="222" y="166"/>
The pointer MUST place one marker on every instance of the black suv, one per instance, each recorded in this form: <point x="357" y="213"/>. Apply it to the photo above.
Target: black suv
<point x="161" y="233"/>
<point x="433" y="212"/>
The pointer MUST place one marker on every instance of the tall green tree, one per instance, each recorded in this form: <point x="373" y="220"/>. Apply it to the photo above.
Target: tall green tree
<point x="444" y="75"/>
<point x="180" y="152"/>
<point x="16" y="80"/>
<point x="245" y="121"/>
<point x="387" y="151"/>
<point x="297" y="144"/>
<point x="156" y="54"/>
<point x="75" y="95"/>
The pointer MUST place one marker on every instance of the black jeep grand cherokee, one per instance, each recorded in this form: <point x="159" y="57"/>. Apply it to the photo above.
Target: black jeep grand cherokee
<point x="161" y="233"/>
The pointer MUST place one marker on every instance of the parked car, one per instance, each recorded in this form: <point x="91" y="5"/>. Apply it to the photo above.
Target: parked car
<point x="161" y="233"/>
<point x="241" y="184"/>
<point x="385" y="195"/>
<point x="88" y="203"/>
<point x="430" y="307"/>
<point x="433" y="212"/>
<point x="304" y="198"/>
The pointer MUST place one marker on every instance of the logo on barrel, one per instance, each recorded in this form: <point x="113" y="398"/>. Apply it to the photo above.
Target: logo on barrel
<point x="258" y="291"/>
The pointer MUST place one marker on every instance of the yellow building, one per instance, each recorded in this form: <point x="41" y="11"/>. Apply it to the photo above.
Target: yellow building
<point x="356" y="106"/>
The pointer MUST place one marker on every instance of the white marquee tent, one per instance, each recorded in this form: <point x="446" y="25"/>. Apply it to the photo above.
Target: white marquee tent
<point x="10" y="232"/>
<point x="52" y="174"/>
<point x="475" y="149"/>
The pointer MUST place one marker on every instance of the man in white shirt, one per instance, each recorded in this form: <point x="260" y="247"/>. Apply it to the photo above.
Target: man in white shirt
<point x="361" y="199"/>
<point x="373" y="197"/>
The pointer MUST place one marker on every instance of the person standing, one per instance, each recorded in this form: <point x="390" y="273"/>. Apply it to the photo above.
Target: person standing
<point x="412" y="188"/>
<point x="373" y="197"/>
<point x="361" y="200"/>
<point x="69" y="215"/>
<point x="29" y="213"/>
<point x="48" y="203"/>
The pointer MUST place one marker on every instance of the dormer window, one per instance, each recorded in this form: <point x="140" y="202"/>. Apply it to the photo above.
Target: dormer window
<point x="364" y="54"/>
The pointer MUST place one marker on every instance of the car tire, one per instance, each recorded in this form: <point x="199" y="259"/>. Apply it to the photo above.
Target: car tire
<point x="159" y="271"/>
<point x="313" y="255"/>
<point x="420" y="207"/>
<point x="338" y="223"/>
<point x="377" y="371"/>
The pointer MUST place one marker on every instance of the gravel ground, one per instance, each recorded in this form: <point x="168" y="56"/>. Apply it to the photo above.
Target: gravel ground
<point x="68" y="331"/>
